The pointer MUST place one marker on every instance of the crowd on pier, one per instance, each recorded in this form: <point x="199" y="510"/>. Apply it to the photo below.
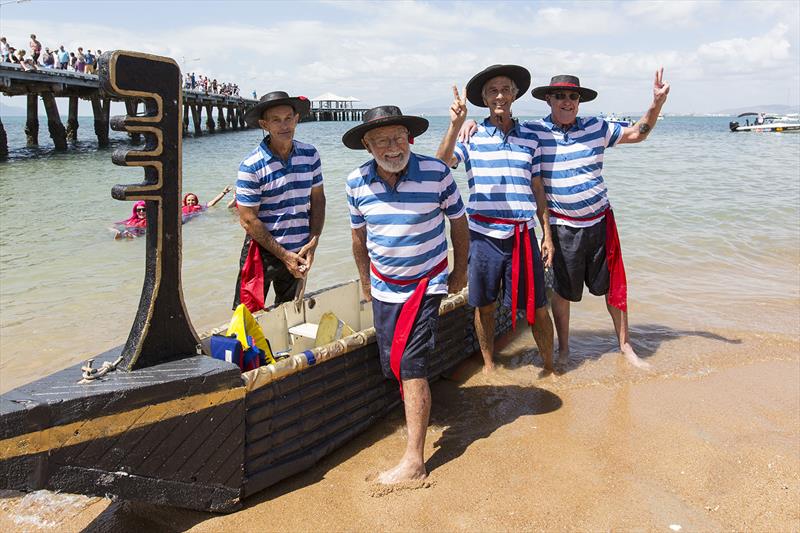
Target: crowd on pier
<point x="43" y="57"/>
<point x="37" y="57"/>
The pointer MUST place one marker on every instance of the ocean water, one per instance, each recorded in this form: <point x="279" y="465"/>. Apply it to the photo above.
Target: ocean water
<point x="709" y="223"/>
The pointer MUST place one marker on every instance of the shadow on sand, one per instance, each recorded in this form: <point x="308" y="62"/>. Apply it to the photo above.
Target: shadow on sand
<point x="589" y="345"/>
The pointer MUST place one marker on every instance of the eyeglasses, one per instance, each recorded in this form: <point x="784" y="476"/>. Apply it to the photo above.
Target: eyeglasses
<point x="140" y="209"/>
<point x="385" y="142"/>
<point x="561" y="96"/>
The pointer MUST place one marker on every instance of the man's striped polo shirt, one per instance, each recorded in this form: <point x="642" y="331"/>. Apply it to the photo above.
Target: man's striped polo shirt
<point x="281" y="190"/>
<point x="405" y="225"/>
<point x="499" y="168"/>
<point x="571" y="164"/>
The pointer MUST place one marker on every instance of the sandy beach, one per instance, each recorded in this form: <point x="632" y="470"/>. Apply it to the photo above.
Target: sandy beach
<point x="707" y="441"/>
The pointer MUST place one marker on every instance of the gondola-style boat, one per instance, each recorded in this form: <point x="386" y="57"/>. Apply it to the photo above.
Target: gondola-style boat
<point x="173" y="426"/>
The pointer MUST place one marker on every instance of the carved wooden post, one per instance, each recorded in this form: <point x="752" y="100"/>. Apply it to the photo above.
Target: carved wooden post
<point x="57" y="131"/>
<point x="161" y="331"/>
<point x="3" y="142"/>
<point x="210" y="118"/>
<point x="32" y="122"/>
<point x="196" y="120"/>
<point x="72" y="119"/>
<point x="100" y="121"/>
<point x="223" y="125"/>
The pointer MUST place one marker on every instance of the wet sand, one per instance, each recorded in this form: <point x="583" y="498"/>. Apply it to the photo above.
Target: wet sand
<point x="709" y="440"/>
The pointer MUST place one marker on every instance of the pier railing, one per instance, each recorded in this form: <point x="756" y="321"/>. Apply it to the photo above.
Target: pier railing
<point x="49" y="84"/>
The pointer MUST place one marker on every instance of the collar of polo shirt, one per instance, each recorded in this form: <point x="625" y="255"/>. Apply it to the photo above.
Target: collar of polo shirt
<point x="552" y="125"/>
<point x="265" y="147"/>
<point x="412" y="170"/>
<point x="492" y="129"/>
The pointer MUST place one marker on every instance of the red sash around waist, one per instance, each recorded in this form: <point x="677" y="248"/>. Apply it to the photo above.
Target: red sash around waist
<point x="530" y="307"/>
<point x="251" y="289"/>
<point x="618" y="284"/>
<point x="408" y="314"/>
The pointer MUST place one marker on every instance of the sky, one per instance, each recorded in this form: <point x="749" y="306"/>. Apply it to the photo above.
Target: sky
<point x="716" y="54"/>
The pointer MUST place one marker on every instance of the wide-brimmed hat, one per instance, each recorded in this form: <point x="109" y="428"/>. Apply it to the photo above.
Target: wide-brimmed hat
<point x="385" y="115"/>
<point x="520" y="75"/>
<point x="565" y="81"/>
<point x="300" y="104"/>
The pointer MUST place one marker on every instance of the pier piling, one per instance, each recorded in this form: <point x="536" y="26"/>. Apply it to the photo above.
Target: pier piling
<point x="57" y="131"/>
<point x="221" y="122"/>
<point x="197" y="120"/>
<point x="210" y="124"/>
<point x="100" y="110"/>
<point x="72" y="119"/>
<point x="3" y="142"/>
<point x="32" y="122"/>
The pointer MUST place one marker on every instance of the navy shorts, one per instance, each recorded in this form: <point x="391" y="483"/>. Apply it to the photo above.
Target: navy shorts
<point x="579" y="258"/>
<point x="421" y="342"/>
<point x="275" y="273"/>
<point x="490" y="267"/>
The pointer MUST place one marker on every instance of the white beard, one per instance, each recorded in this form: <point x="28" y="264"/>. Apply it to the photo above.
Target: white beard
<point x="393" y="165"/>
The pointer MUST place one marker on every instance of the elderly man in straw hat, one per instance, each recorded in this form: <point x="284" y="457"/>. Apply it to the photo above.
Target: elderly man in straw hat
<point x="587" y="249"/>
<point x="281" y="203"/>
<point x="398" y="202"/>
<point x="506" y="194"/>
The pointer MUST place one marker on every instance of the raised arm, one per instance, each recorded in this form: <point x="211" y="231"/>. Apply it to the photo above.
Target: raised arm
<point x="219" y="197"/>
<point x="361" y="256"/>
<point x="639" y="131"/>
<point x="458" y="113"/>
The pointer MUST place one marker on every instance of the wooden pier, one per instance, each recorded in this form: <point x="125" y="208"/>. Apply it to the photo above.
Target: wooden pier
<point x="329" y="107"/>
<point x="222" y="113"/>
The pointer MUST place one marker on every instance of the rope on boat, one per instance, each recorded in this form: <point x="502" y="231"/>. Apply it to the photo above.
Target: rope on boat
<point x="90" y="374"/>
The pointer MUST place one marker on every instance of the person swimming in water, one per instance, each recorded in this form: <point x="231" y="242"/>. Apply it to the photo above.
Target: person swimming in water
<point x="192" y="205"/>
<point x="135" y="225"/>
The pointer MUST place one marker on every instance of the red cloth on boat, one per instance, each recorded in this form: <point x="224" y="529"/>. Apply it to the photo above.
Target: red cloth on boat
<point x="530" y="304"/>
<point x="408" y="314"/>
<point x="251" y="290"/>
<point x="618" y="283"/>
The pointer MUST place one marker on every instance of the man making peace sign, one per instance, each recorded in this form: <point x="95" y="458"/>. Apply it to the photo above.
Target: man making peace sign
<point x="499" y="161"/>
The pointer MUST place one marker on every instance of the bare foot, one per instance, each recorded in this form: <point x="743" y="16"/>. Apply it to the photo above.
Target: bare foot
<point x="633" y="359"/>
<point x="405" y="471"/>
<point x="544" y="372"/>
<point x="488" y="368"/>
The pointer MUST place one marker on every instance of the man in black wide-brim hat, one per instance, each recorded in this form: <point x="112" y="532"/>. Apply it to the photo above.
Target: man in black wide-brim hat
<point x="281" y="203"/>
<point x="506" y="196"/>
<point x="398" y="201"/>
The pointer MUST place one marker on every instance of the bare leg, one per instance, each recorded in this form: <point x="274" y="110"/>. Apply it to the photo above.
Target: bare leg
<point x="542" y="331"/>
<point x="484" y="328"/>
<point x="620" y="319"/>
<point x="561" y="317"/>
<point x="418" y="409"/>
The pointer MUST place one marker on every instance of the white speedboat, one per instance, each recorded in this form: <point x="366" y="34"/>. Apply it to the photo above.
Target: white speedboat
<point x="767" y="123"/>
<point x="624" y="122"/>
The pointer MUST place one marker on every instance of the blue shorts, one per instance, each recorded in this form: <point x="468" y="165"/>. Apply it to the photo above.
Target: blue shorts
<point x="414" y="363"/>
<point x="490" y="266"/>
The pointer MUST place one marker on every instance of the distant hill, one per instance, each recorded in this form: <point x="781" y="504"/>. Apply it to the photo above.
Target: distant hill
<point x="11" y="110"/>
<point x="781" y="109"/>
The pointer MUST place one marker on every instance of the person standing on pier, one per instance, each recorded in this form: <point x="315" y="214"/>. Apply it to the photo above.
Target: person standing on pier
<point x="63" y="58"/>
<point x="36" y="48"/>
<point x="506" y="196"/>
<point x="398" y="202"/>
<point x="281" y="203"/>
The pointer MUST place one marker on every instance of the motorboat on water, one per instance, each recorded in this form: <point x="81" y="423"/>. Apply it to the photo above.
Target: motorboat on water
<point x="622" y="121"/>
<point x="763" y="122"/>
<point x="162" y="422"/>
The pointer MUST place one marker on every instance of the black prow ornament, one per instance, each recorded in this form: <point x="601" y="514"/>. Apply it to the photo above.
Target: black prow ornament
<point x="162" y="330"/>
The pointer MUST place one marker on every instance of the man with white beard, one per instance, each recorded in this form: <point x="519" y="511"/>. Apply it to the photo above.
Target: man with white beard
<point x="398" y="201"/>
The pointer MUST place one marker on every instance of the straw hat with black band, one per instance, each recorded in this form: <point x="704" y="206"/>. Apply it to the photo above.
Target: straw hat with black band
<point x="377" y="117"/>
<point x="520" y="76"/>
<point x="564" y="82"/>
<point x="300" y="104"/>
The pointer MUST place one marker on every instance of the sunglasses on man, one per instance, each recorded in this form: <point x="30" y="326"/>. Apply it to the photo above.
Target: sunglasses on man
<point x="561" y="96"/>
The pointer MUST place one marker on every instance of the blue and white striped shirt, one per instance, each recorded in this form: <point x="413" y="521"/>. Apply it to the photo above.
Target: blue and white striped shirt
<point x="499" y="169"/>
<point x="282" y="192"/>
<point x="405" y="225"/>
<point x="571" y="164"/>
